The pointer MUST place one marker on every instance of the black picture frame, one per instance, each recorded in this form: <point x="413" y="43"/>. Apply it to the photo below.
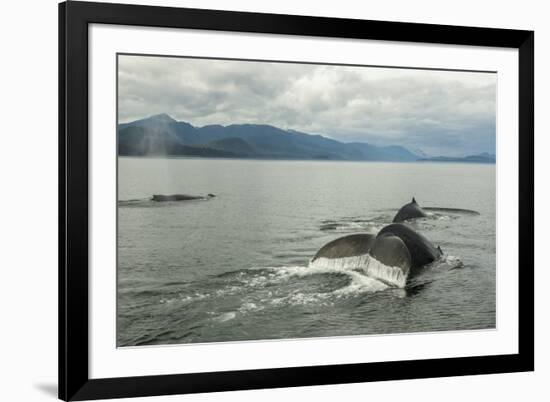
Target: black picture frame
<point x="74" y="18"/>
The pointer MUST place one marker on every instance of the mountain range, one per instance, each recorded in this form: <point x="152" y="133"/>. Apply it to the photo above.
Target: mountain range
<point x="161" y="135"/>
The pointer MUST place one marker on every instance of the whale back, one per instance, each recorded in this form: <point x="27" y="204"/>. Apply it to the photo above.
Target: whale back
<point x="409" y="211"/>
<point x="176" y="197"/>
<point x="422" y="251"/>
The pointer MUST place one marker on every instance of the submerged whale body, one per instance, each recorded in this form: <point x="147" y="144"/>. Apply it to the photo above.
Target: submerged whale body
<point x="179" y="197"/>
<point x="395" y="253"/>
<point x="409" y="211"/>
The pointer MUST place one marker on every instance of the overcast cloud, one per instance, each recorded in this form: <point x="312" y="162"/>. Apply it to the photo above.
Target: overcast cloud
<point x="437" y="112"/>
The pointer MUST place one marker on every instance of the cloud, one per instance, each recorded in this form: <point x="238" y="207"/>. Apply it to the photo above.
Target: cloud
<point x="438" y="112"/>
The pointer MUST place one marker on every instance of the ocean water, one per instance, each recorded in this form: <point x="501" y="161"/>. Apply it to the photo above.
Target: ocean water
<point x="236" y="267"/>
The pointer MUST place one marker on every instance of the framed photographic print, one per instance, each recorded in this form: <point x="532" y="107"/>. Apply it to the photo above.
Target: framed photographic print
<point x="257" y="200"/>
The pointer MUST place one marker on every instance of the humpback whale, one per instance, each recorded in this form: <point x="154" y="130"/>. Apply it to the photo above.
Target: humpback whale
<point x="179" y="197"/>
<point x="409" y="211"/>
<point x="394" y="254"/>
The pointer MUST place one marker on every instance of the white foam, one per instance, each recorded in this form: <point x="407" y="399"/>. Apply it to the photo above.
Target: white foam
<point x="373" y="268"/>
<point x="225" y="317"/>
<point x="340" y="264"/>
<point x="361" y="284"/>
<point x="451" y="261"/>
<point x="249" y="306"/>
<point x="359" y="281"/>
<point x="386" y="273"/>
<point x="300" y="299"/>
<point x="185" y="298"/>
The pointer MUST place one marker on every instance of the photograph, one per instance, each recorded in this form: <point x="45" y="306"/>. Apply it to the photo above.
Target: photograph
<point x="267" y="200"/>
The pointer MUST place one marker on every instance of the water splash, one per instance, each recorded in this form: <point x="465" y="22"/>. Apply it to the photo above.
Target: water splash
<point x="450" y="262"/>
<point x="225" y="317"/>
<point x="274" y="287"/>
<point x="356" y="271"/>
<point x="301" y="299"/>
<point x="361" y="284"/>
<point x="392" y="276"/>
<point x="249" y="306"/>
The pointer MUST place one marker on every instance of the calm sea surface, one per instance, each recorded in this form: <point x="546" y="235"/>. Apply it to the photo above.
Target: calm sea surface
<point x="235" y="267"/>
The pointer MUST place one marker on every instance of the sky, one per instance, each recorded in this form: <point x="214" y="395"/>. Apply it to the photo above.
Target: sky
<point x="447" y="113"/>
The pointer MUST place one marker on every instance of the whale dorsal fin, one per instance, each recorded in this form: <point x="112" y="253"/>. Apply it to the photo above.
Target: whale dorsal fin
<point x="413" y="201"/>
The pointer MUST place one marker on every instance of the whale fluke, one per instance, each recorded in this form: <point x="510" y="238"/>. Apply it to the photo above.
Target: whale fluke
<point x="385" y="258"/>
<point x="395" y="253"/>
<point x="347" y="246"/>
<point x="391" y="251"/>
<point x="421" y="249"/>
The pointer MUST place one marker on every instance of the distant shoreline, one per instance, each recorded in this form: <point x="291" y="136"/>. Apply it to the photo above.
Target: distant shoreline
<point x="423" y="161"/>
<point x="469" y="159"/>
